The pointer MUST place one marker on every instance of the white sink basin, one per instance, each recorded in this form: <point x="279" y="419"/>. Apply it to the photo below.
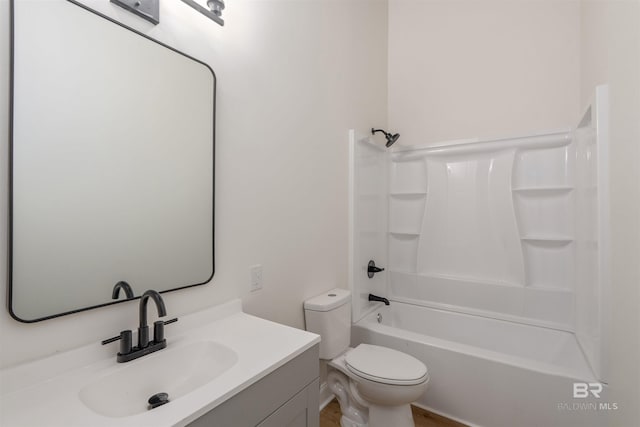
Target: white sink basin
<point x="211" y="355"/>
<point x="175" y="371"/>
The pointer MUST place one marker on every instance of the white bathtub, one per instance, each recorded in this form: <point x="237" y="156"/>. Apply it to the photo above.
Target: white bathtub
<point x="487" y="372"/>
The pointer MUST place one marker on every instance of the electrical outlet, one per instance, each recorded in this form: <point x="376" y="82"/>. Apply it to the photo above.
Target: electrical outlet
<point x="256" y="277"/>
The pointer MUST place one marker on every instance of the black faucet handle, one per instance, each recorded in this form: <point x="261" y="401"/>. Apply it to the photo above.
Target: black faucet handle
<point x="372" y="269"/>
<point x="158" y="331"/>
<point x="125" y="339"/>
<point x="110" y="340"/>
<point x="126" y="342"/>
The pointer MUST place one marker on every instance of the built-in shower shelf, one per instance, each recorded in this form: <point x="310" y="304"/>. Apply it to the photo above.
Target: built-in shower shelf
<point x="550" y="288"/>
<point x="405" y="233"/>
<point x="553" y="240"/>
<point x="542" y="191"/>
<point x="402" y="194"/>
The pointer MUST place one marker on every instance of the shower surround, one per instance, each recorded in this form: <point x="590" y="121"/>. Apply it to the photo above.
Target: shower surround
<point x="485" y="227"/>
<point x="508" y="237"/>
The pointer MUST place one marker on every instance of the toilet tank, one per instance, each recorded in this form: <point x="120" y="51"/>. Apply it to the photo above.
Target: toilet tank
<point x="329" y="315"/>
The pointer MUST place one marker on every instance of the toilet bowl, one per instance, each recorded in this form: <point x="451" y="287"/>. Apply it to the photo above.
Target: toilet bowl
<point x="380" y="383"/>
<point x="373" y="384"/>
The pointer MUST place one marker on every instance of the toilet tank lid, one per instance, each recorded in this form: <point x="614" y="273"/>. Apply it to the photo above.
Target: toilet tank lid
<point x="328" y="300"/>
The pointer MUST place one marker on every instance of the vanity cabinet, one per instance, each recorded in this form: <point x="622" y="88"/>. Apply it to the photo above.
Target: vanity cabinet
<point x="287" y="397"/>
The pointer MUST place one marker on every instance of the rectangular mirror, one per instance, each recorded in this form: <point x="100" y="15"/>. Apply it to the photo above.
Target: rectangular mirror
<point x="112" y="162"/>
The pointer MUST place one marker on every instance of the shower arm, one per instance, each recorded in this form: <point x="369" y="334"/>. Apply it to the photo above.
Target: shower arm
<point x="373" y="132"/>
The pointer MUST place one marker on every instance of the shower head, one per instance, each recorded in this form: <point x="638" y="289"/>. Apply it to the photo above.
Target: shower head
<point x="390" y="138"/>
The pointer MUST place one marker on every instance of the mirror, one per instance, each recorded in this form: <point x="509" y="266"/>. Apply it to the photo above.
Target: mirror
<point x="112" y="162"/>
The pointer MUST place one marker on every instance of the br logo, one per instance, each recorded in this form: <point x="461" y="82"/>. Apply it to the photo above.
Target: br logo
<point x="582" y="390"/>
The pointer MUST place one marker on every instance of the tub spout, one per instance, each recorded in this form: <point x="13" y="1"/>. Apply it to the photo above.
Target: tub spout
<point x="373" y="297"/>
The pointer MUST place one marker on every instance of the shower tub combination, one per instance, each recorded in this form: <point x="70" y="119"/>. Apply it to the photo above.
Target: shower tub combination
<point x="496" y="263"/>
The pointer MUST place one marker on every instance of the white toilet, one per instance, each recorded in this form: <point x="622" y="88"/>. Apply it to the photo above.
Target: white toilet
<point x="374" y="385"/>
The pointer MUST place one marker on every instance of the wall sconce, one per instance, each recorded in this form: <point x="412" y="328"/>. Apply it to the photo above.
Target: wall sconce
<point x="214" y="11"/>
<point x="150" y="9"/>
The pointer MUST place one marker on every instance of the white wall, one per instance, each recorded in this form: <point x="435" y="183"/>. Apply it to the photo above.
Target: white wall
<point x="293" y="77"/>
<point x="468" y="68"/>
<point x="610" y="53"/>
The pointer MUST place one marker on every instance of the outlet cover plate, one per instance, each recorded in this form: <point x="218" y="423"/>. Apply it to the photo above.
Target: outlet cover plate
<point x="256" y="277"/>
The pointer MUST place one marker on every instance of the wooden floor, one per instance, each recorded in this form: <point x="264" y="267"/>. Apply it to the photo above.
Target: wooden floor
<point x="330" y="417"/>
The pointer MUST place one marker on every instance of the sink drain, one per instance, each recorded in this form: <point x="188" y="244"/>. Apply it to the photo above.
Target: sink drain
<point x="158" y="399"/>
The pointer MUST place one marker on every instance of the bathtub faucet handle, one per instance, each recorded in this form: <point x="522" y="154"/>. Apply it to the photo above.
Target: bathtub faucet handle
<point x="373" y="297"/>
<point x="372" y="269"/>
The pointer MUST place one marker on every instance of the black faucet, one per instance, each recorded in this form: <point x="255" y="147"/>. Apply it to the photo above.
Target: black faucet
<point x="143" y="329"/>
<point x="145" y="346"/>
<point x="128" y="292"/>
<point x="373" y="297"/>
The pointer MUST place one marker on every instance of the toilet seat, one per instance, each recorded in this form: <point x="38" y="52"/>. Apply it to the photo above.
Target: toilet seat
<point x="385" y="365"/>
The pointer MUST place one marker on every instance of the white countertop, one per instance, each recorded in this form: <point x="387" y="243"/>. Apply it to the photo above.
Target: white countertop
<point x="46" y="392"/>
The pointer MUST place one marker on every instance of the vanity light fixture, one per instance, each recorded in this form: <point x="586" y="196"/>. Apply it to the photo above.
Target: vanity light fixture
<point x="150" y="9"/>
<point x="145" y="9"/>
<point x="213" y="10"/>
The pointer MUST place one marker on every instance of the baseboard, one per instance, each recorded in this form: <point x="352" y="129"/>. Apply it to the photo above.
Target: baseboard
<point x="325" y="395"/>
